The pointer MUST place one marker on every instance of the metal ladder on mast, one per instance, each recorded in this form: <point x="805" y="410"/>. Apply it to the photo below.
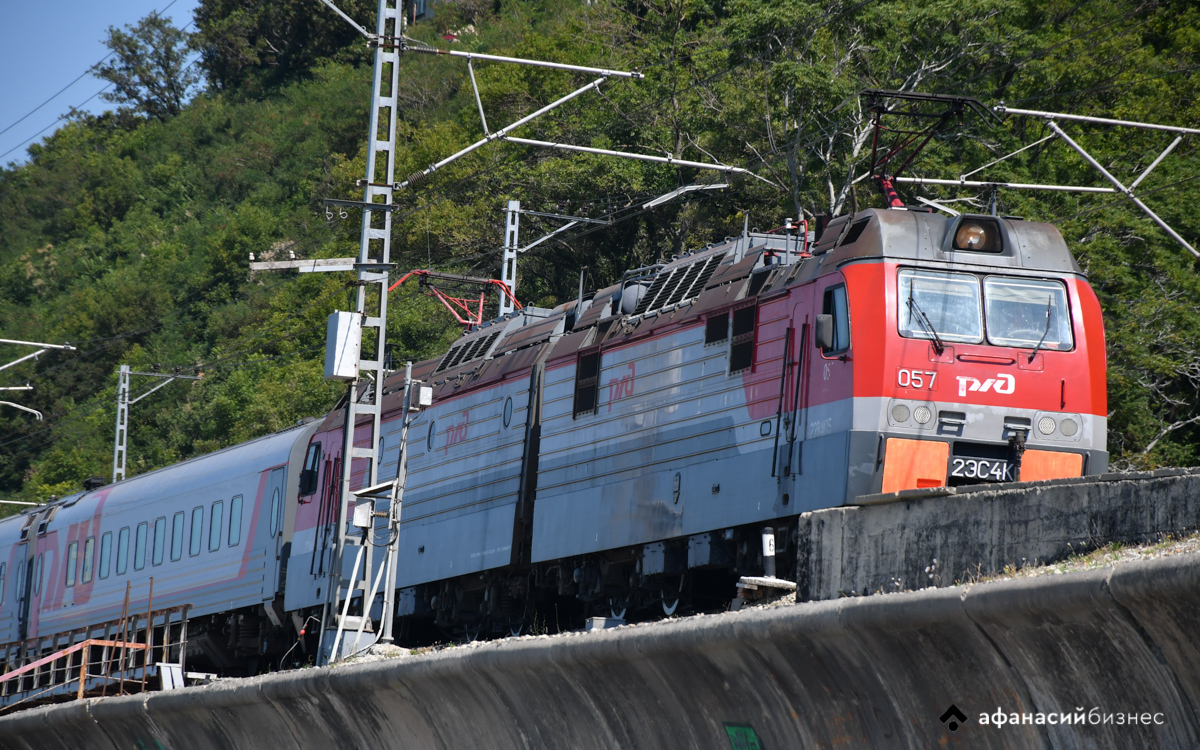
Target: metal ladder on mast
<point x="366" y="391"/>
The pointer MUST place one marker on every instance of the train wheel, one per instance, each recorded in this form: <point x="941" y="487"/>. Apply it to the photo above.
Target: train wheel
<point x="473" y="631"/>
<point x="671" y="599"/>
<point x="669" y="604"/>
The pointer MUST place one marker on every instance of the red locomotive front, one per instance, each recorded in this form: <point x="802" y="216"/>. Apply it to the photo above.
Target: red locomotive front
<point x="986" y="358"/>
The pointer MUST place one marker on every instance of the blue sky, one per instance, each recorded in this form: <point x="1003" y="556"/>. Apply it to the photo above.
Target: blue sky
<point x="44" y="47"/>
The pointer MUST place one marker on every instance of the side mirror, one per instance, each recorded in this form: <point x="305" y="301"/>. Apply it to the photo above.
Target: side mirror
<point x="824" y="332"/>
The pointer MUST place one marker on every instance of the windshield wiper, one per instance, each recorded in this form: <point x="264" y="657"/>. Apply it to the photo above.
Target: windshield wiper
<point x="1045" y="333"/>
<point x="924" y="320"/>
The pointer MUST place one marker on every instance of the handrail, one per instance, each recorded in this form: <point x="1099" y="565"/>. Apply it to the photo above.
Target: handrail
<point x="67" y="652"/>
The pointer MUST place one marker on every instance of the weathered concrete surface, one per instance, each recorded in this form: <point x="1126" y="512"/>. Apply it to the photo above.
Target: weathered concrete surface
<point x="857" y="672"/>
<point x="914" y="543"/>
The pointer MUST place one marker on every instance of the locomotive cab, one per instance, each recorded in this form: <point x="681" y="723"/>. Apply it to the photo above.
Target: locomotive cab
<point x="985" y="353"/>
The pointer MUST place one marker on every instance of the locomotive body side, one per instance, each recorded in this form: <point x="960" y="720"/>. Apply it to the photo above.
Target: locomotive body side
<point x="467" y="453"/>
<point x="676" y="444"/>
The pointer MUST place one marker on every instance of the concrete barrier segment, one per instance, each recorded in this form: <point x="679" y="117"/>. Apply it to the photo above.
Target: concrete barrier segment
<point x="981" y="531"/>
<point x="857" y="672"/>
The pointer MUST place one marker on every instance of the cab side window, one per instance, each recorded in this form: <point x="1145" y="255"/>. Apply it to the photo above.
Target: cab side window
<point x="587" y="382"/>
<point x="835" y="306"/>
<point x="312" y="463"/>
<point x="741" y="347"/>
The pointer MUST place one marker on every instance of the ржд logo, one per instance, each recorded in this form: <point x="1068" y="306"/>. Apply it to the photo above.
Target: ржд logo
<point x="1002" y="383"/>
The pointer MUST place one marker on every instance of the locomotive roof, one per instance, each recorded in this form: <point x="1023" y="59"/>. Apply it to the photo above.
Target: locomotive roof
<point x="752" y="265"/>
<point x="923" y="236"/>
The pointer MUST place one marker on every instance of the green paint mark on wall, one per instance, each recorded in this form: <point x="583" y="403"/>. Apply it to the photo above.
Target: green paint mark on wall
<point x="742" y="737"/>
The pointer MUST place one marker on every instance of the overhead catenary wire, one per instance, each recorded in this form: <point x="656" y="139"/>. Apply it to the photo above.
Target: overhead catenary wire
<point x="55" y="95"/>
<point x="75" y="108"/>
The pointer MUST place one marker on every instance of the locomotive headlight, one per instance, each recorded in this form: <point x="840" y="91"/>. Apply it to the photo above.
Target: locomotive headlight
<point x="977" y="236"/>
<point x="922" y="414"/>
<point x="1046" y="426"/>
<point x="1068" y="427"/>
<point x="900" y="413"/>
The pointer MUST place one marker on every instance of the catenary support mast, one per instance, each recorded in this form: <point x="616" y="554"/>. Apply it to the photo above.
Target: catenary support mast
<point x="353" y="546"/>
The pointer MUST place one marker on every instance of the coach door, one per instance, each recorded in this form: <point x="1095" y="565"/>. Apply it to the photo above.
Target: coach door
<point x="21" y="589"/>
<point x="273" y="507"/>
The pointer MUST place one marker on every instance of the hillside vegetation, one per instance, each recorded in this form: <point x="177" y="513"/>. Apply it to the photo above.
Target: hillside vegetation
<point x="129" y="234"/>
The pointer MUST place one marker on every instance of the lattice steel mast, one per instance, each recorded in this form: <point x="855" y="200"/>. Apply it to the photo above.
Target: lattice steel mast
<point x="365" y="396"/>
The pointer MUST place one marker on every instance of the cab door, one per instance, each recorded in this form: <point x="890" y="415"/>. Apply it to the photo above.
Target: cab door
<point x="829" y="390"/>
<point x="831" y="383"/>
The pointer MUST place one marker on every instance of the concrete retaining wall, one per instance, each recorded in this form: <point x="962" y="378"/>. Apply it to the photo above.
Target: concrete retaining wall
<point x="917" y="542"/>
<point x="857" y="672"/>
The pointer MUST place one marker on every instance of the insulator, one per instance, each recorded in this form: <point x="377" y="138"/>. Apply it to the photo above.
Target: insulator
<point x="416" y="178"/>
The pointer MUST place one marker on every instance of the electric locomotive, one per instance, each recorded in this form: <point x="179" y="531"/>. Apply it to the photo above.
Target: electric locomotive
<point x="615" y="446"/>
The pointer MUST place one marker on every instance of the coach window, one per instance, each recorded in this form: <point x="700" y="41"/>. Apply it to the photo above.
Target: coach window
<point x="235" y="521"/>
<point x="160" y="540"/>
<point x="587" y="379"/>
<point x="89" y="551"/>
<point x="275" y="512"/>
<point x="123" y="551"/>
<point x="716" y="328"/>
<point x="105" y="553"/>
<point x="834" y="305"/>
<point x="195" y="540"/>
<point x="741" y="348"/>
<point x="72" y="560"/>
<point x="37" y="575"/>
<point x="177" y="536"/>
<point x="139" y="545"/>
<point x="214" y="526"/>
<point x="3" y="573"/>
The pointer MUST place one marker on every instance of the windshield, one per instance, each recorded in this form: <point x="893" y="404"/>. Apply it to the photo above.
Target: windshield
<point x="949" y="301"/>
<point x="1017" y="311"/>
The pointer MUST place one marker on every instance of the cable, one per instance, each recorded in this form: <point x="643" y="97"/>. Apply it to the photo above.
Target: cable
<point x="72" y="83"/>
<point x="60" y="119"/>
<point x="69" y="85"/>
<point x="1104" y="88"/>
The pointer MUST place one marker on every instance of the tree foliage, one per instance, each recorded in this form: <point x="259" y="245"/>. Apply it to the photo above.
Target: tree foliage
<point x="133" y="242"/>
<point x="150" y="72"/>
<point x="250" y="47"/>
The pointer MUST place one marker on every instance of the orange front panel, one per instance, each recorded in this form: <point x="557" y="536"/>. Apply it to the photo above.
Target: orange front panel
<point x="1037" y="465"/>
<point x="910" y="464"/>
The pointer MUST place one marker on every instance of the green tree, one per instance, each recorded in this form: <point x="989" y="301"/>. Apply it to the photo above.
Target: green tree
<point x="250" y="47"/>
<point x="150" y="71"/>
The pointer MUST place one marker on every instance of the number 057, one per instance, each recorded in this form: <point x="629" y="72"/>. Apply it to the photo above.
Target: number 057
<point x="916" y="379"/>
